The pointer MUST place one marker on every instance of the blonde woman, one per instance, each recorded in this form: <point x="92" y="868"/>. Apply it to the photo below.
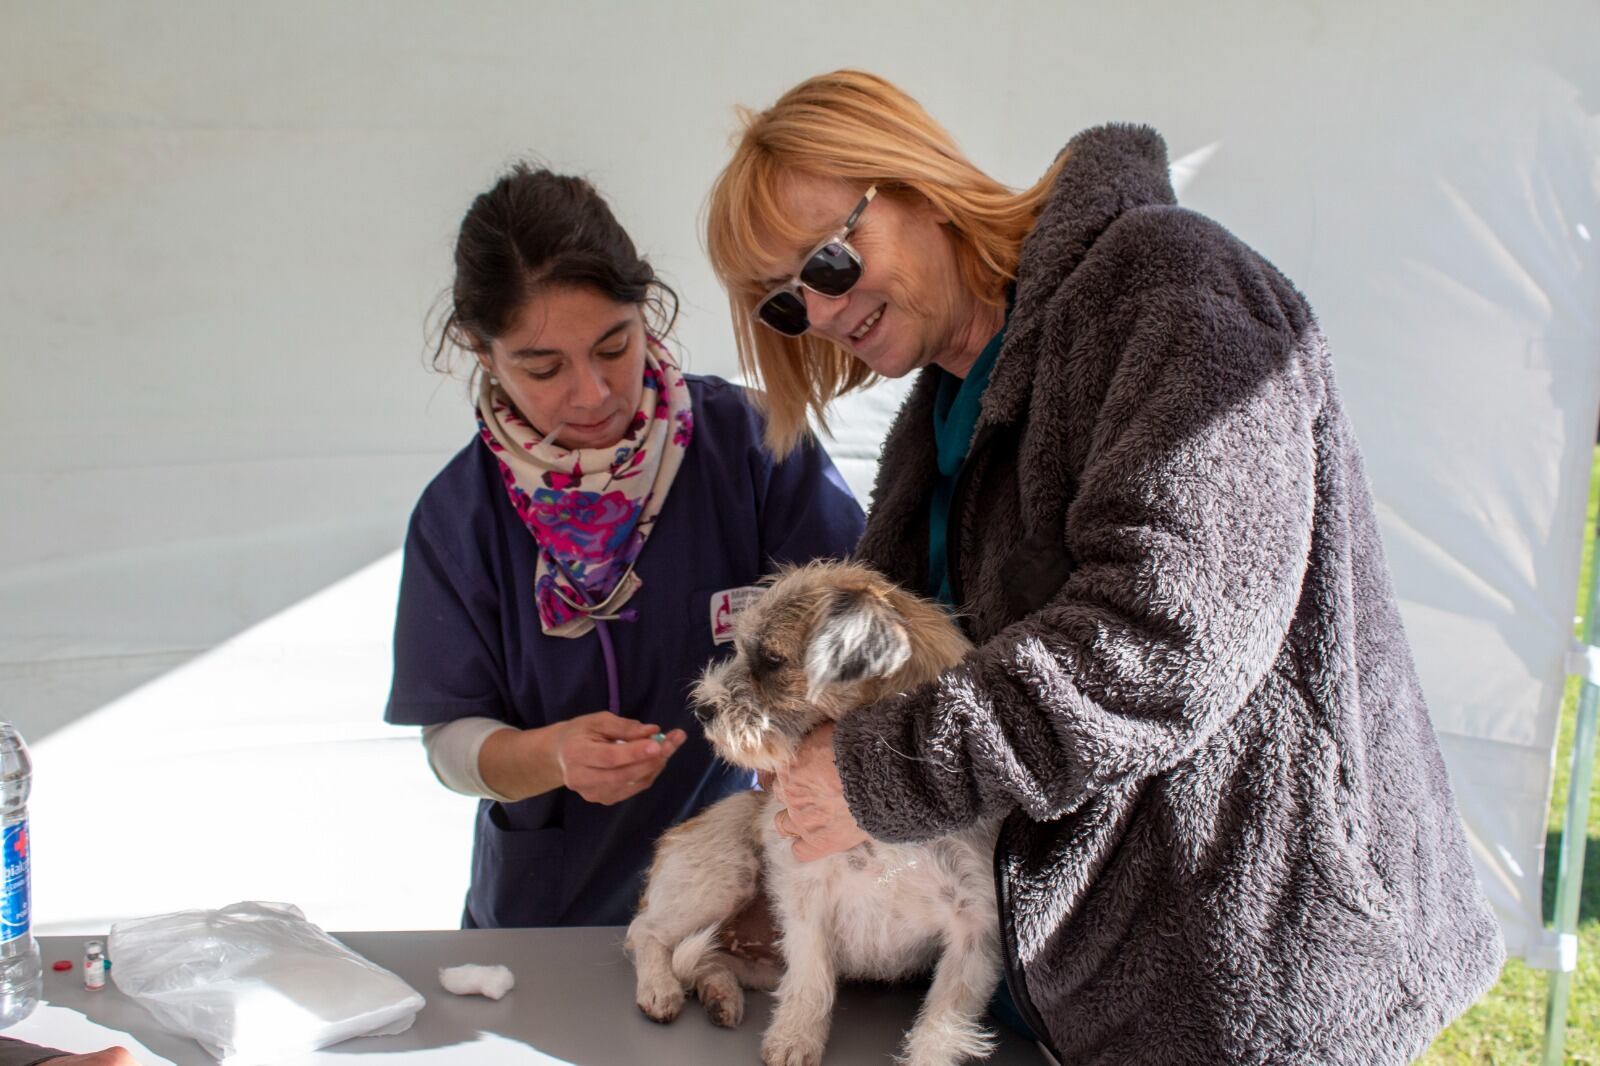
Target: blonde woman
<point x="1229" y="835"/>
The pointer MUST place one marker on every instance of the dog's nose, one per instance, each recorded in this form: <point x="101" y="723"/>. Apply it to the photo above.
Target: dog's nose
<point x="702" y="713"/>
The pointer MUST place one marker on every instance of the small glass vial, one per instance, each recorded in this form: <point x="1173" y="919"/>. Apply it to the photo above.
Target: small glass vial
<point x="94" y="966"/>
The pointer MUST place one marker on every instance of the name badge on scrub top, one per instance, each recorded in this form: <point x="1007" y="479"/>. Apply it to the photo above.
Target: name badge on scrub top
<point x="728" y="605"/>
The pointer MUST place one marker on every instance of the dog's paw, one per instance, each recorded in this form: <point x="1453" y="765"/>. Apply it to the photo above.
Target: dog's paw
<point x="790" y="1053"/>
<point x="946" y="1045"/>
<point x="723" y="999"/>
<point x="661" y="1003"/>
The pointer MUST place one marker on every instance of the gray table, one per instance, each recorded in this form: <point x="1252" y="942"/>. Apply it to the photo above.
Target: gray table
<point x="573" y="1004"/>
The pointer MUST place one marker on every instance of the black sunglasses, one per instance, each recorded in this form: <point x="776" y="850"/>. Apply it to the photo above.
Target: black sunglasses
<point x="832" y="269"/>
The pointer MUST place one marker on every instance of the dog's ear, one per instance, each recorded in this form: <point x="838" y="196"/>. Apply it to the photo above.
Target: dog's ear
<point x="859" y="636"/>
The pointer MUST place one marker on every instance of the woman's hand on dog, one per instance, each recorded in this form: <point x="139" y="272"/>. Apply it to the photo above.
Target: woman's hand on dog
<point x="602" y="757"/>
<point x="815" y="815"/>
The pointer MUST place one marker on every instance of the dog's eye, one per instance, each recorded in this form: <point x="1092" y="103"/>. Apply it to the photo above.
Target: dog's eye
<point x="768" y="660"/>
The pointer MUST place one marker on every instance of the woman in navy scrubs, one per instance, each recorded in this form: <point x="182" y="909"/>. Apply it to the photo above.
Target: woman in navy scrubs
<point x="573" y="569"/>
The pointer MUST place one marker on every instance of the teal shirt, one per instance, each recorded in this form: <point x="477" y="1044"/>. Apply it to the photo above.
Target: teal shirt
<point x="955" y="416"/>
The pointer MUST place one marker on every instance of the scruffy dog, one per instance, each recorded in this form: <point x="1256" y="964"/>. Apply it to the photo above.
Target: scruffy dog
<point x="822" y="640"/>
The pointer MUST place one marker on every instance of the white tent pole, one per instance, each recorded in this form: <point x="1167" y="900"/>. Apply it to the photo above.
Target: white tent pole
<point x="1574" y="834"/>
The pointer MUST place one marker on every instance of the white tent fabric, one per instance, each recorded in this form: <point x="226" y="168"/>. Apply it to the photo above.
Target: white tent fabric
<point x="222" y="229"/>
<point x="260" y="770"/>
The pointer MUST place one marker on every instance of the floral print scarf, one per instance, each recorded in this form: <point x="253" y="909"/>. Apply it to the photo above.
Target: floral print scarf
<point x="591" y="510"/>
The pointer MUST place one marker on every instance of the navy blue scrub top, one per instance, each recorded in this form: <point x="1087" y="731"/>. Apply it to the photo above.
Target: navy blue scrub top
<point x="467" y="643"/>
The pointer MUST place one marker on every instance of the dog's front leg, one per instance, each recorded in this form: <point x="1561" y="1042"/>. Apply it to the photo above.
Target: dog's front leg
<point x="949" y="1027"/>
<point x="799" y="1028"/>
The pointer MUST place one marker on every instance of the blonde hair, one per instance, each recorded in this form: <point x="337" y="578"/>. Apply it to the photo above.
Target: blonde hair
<point x="852" y="126"/>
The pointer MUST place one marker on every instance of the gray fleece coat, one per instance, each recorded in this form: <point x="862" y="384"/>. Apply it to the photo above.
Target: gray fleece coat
<point x="1229" y="834"/>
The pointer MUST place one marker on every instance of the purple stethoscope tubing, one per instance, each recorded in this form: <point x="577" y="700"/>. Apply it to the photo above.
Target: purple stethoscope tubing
<point x="603" y="629"/>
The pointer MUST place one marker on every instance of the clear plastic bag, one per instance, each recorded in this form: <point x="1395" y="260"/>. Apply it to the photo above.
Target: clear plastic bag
<point x="256" y="982"/>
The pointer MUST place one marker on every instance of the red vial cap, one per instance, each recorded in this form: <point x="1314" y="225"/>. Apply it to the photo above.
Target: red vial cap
<point x="62" y="966"/>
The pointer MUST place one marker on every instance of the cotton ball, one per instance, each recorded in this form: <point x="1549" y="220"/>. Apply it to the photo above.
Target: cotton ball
<point x="491" y="981"/>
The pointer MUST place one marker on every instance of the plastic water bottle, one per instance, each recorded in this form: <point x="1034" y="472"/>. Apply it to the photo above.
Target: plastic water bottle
<point x="21" y="976"/>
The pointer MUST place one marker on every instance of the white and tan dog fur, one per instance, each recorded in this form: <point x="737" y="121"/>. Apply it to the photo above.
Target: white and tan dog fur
<point x="824" y="639"/>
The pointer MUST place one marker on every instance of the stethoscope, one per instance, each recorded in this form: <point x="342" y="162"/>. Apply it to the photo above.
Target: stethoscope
<point x="601" y="624"/>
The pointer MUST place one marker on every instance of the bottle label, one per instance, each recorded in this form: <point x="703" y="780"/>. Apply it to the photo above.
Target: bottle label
<point x="15" y="908"/>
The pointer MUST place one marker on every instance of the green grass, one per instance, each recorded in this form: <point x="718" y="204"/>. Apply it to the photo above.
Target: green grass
<point x="1507" y="1025"/>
